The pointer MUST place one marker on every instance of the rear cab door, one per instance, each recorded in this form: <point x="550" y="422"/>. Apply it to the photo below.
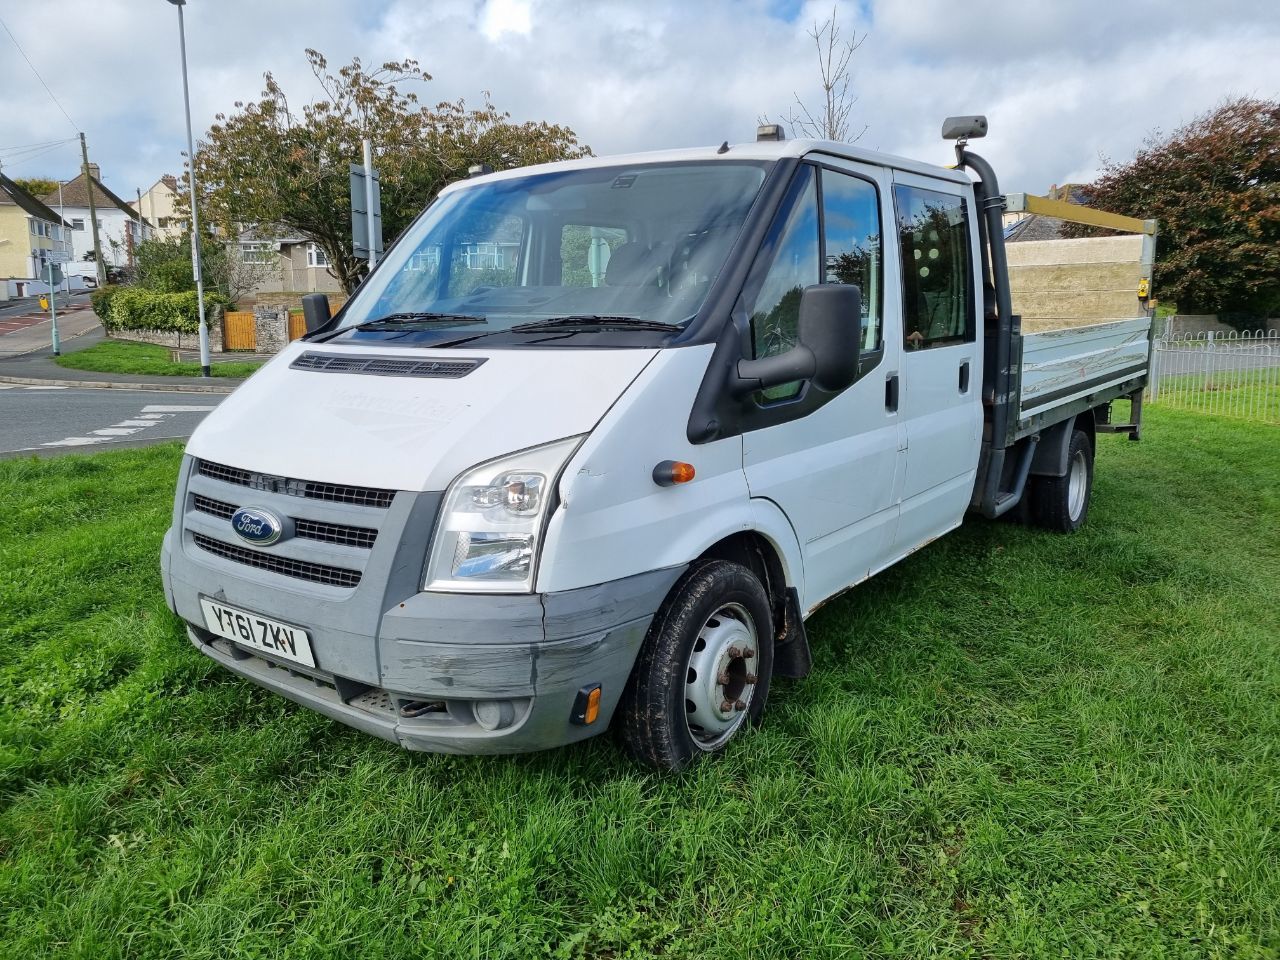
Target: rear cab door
<point x="941" y="410"/>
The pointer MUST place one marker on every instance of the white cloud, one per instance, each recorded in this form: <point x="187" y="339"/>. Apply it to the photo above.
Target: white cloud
<point x="1062" y="84"/>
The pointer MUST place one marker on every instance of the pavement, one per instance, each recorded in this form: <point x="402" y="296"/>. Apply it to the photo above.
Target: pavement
<point x="26" y="356"/>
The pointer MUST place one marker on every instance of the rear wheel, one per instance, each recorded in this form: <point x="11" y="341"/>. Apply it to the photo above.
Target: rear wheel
<point x="1062" y="503"/>
<point x="703" y="672"/>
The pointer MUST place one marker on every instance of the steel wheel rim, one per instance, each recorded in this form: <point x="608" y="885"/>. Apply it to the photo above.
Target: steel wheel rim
<point x="1077" y="484"/>
<point x="721" y="676"/>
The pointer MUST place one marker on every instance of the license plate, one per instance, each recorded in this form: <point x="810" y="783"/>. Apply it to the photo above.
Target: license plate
<point x="260" y="633"/>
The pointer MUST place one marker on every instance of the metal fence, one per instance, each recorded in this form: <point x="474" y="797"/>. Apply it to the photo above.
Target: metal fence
<point x="1229" y="374"/>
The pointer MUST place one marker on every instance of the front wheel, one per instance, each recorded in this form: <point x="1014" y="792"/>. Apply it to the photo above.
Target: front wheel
<point x="1062" y="503"/>
<point x="703" y="672"/>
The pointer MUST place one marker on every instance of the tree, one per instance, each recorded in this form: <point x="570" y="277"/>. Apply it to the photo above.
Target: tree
<point x="164" y="266"/>
<point x="37" y="186"/>
<point x="830" y="120"/>
<point x="1214" y="185"/>
<point x="270" y="166"/>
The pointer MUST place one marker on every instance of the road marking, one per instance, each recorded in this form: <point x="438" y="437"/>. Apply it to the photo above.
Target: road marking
<point x="46" y="388"/>
<point x="151" y="416"/>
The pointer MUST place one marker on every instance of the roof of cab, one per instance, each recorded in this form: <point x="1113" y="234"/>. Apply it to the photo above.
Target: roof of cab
<point x="760" y="150"/>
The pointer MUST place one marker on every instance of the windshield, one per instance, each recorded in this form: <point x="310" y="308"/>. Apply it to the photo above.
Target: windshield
<point x="596" y="246"/>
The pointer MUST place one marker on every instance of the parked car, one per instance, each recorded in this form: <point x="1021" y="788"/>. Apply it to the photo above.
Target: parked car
<point x="596" y="437"/>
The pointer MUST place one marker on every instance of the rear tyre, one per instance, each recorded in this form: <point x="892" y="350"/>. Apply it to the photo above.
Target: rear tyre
<point x="1062" y="503"/>
<point x="703" y="671"/>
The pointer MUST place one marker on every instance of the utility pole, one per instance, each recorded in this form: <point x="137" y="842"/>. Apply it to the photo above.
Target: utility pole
<point x="191" y="180"/>
<point x="93" y="214"/>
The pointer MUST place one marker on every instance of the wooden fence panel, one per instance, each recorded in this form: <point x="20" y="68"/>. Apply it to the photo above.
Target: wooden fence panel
<point x="297" y="324"/>
<point x="238" y="332"/>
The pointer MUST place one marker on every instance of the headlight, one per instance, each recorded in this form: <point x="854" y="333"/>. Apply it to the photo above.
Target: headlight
<point x="491" y="526"/>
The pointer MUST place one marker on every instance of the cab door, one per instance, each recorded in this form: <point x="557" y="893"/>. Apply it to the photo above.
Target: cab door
<point x="941" y="358"/>
<point x="830" y="462"/>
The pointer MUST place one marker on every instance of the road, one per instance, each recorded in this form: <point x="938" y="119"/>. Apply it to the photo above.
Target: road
<point x="52" y="420"/>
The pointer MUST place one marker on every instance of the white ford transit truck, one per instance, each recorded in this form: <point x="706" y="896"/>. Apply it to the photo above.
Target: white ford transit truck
<point x="595" y="437"/>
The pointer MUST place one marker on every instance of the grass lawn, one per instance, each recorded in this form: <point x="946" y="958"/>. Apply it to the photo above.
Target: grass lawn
<point x="146" y="360"/>
<point x="1014" y="744"/>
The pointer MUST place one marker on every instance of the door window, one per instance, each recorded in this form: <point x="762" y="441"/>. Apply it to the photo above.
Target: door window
<point x="851" y="231"/>
<point x="791" y="251"/>
<point x="937" y="271"/>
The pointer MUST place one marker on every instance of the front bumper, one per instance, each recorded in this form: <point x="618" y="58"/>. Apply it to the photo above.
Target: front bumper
<point x="517" y="663"/>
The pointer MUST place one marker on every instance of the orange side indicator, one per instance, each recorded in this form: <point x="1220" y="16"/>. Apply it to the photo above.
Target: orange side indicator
<point x="593" y="706"/>
<point x="670" y="472"/>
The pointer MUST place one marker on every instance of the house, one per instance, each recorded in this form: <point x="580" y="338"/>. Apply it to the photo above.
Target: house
<point x="158" y="208"/>
<point x="119" y="225"/>
<point x="1023" y="227"/>
<point x="30" y="233"/>
<point x="285" y="264"/>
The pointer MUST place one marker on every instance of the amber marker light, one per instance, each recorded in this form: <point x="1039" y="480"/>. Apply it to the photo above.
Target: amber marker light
<point x="586" y="705"/>
<point x="670" y="472"/>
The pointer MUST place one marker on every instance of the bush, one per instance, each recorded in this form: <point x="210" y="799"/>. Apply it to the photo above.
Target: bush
<point x="101" y="300"/>
<point x="133" y="308"/>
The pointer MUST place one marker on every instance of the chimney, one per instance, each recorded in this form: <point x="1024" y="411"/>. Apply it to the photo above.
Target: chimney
<point x="95" y="171"/>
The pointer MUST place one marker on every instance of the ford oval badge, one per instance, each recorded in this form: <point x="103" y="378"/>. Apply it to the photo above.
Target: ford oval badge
<point x="257" y="526"/>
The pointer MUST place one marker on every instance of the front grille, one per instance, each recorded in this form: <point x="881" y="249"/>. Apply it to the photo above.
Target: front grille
<point x="331" y="492"/>
<point x="300" y="569"/>
<point x="340" y="533"/>
<point x="433" y="367"/>
<point x="215" y="507"/>
<point x="335" y="533"/>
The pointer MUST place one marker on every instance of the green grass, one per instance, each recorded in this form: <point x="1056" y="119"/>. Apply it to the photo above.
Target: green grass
<point x="147" y="360"/>
<point x="1014" y="744"/>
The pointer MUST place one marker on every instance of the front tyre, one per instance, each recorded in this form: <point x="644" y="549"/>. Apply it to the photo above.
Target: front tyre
<point x="703" y="671"/>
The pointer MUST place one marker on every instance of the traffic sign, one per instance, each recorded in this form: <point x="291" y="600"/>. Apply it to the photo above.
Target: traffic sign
<point x="59" y="256"/>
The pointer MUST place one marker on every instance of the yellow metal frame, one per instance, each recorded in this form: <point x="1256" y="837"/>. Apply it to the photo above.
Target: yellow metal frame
<point x="1076" y="213"/>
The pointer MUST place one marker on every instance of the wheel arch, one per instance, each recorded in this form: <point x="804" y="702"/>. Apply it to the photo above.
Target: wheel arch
<point x="1050" y="458"/>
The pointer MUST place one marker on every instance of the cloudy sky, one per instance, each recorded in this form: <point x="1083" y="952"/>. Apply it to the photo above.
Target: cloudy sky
<point x="1062" y="83"/>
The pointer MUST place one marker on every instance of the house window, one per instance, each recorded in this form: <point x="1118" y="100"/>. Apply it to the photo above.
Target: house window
<point x="316" y="256"/>
<point x="77" y="223"/>
<point x="256" y="252"/>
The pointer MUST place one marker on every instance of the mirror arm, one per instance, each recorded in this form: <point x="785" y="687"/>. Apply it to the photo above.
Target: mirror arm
<point x="798" y="363"/>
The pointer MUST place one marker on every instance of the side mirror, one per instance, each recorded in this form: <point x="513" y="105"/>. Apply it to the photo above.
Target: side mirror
<point x="830" y="326"/>
<point x="315" y="311"/>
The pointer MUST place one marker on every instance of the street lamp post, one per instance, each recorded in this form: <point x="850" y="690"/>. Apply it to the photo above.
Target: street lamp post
<point x="191" y="182"/>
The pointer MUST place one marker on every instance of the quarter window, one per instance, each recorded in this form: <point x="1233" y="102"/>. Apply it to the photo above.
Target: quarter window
<point x="937" y="271"/>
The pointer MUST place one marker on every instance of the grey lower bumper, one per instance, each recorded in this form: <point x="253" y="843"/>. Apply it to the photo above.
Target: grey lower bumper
<point x="539" y="720"/>
<point x="501" y="673"/>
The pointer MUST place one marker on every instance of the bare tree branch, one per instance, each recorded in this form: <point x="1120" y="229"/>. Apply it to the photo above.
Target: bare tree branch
<point x="831" y="120"/>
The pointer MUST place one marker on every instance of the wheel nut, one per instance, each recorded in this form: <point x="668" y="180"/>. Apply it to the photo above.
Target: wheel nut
<point x="748" y="653"/>
<point x="723" y="678"/>
<point x="739" y="706"/>
<point x="726" y="706"/>
<point x="735" y="653"/>
<point x="751" y="678"/>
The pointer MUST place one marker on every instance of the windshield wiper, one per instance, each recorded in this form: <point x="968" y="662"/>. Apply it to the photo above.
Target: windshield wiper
<point x="593" y="320"/>
<point x="423" y="317"/>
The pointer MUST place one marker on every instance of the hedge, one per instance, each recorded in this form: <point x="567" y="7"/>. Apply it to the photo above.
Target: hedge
<point x="101" y="300"/>
<point x="132" y="308"/>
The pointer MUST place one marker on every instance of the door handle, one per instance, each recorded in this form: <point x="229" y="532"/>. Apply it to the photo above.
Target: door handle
<point x="964" y="377"/>
<point x="891" y="393"/>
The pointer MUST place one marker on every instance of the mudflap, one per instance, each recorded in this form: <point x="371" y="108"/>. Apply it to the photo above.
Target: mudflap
<point x="791" y="655"/>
